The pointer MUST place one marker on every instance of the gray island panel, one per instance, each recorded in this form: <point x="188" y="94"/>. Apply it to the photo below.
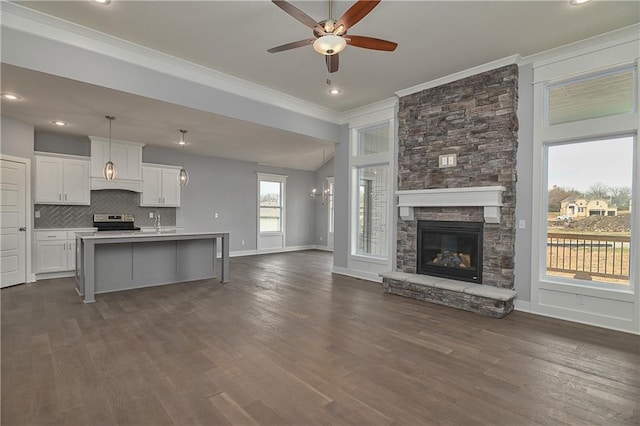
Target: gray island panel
<point x="114" y="261"/>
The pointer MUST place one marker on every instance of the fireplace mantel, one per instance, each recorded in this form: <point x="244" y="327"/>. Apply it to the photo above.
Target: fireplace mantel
<point x="489" y="197"/>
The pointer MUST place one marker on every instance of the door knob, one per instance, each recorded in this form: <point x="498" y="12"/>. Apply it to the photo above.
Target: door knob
<point x="22" y="228"/>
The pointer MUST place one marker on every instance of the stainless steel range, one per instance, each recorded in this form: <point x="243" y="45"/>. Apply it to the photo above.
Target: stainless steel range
<point x="115" y="222"/>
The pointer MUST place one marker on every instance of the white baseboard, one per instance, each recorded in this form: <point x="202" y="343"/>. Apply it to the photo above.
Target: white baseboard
<point x="369" y="276"/>
<point x="593" y="324"/>
<point x="239" y="253"/>
<point x="323" y="248"/>
<point x="522" y="305"/>
<point x="52" y="275"/>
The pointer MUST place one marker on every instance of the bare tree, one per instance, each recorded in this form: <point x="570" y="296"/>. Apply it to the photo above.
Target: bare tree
<point x="620" y="196"/>
<point x="598" y="190"/>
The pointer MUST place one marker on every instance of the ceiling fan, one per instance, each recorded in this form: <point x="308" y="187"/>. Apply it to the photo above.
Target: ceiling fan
<point x="331" y="35"/>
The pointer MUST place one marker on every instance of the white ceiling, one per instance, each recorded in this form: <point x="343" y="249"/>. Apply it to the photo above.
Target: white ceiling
<point x="435" y="38"/>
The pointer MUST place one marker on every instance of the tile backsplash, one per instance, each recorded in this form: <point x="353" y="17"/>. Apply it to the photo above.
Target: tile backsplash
<point x="110" y="201"/>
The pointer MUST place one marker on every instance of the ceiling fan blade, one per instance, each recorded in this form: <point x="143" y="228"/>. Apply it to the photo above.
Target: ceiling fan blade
<point x="371" y="43"/>
<point x="355" y="13"/>
<point x="332" y="62"/>
<point x="299" y="15"/>
<point x="292" y="45"/>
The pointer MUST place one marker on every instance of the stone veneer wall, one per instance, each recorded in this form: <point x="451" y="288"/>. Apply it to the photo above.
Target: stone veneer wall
<point x="476" y="119"/>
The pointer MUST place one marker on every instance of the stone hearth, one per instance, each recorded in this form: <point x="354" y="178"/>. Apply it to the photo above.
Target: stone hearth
<point x="481" y="299"/>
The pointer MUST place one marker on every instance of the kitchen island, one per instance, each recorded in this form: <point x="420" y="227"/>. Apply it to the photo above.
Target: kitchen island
<point x="115" y="261"/>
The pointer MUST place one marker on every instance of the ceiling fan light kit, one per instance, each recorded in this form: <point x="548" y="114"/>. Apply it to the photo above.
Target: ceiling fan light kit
<point x="330" y="35"/>
<point x="329" y="44"/>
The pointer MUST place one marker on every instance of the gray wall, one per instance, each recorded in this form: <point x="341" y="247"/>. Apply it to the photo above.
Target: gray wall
<point x="216" y="185"/>
<point x="524" y="185"/>
<point x="322" y="211"/>
<point x="62" y="143"/>
<point x="17" y="138"/>
<point x="341" y="197"/>
<point x="229" y="188"/>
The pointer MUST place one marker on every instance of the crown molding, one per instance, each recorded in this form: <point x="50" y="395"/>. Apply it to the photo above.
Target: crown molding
<point x="582" y="47"/>
<point x="388" y="104"/>
<point x="509" y="60"/>
<point x="42" y="25"/>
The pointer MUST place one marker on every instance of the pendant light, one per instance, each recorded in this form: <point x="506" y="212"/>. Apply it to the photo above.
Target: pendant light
<point x="110" y="171"/>
<point x="183" y="176"/>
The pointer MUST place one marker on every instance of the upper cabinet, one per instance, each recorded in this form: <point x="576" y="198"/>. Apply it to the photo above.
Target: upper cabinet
<point x="62" y="180"/>
<point x="126" y="156"/>
<point x="161" y="187"/>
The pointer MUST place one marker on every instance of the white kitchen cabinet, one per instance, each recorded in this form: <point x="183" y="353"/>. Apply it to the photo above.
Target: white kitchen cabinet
<point x="62" y="180"/>
<point x="71" y="254"/>
<point x="160" y="186"/>
<point x="126" y="156"/>
<point x="56" y="250"/>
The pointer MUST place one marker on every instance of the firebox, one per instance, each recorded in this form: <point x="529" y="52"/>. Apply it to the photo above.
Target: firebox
<point x="450" y="250"/>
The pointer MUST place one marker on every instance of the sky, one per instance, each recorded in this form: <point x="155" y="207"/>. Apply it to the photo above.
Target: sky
<point x="580" y="165"/>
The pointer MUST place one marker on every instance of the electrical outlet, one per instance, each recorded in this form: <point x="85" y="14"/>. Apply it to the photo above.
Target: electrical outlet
<point x="150" y="215"/>
<point x="320" y="238"/>
<point x="522" y="224"/>
<point x="242" y="242"/>
<point x="37" y="214"/>
<point x="579" y="299"/>
<point x="215" y="215"/>
<point x="448" y="160"/>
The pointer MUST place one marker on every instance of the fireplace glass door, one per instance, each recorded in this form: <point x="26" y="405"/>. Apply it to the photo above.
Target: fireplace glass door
<point x="450" y="250"/>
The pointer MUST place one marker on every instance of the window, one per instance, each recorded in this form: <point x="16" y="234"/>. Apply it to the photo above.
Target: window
<point x="585" y="137"/>
<point x="271" y="203"/>
<point x="591" y="249"/>
<point x="373" y="207"/>
<point x="596" y="95"/>
<point x="373" y="140"/>
<point x="270" y="206"/>
<point x="371" y="191"/>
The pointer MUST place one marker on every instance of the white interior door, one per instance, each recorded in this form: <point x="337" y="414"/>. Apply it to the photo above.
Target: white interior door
<point x="13" y="217"/>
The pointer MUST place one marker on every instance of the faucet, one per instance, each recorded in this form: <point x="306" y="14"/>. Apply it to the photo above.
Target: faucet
<point x="156" y="220"/>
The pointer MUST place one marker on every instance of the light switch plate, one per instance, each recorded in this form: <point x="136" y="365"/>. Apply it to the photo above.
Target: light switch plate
<point x="448" y="160"/>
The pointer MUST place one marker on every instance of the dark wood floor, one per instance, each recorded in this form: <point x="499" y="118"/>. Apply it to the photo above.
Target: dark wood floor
<point x="285" y="342"/>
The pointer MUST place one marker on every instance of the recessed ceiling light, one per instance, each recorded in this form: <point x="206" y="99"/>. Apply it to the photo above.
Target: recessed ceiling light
<point x="578" y="2"/>
<point x="60" y="123"/>
<point x="335" y="91"/>
<point x="10" y="96"/>
<point x="102" y="2"/>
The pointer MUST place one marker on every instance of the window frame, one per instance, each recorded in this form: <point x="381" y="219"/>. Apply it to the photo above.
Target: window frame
<point x="383" y="118"/>
<point x="611" y="308"/>
<point x="282" y="181"/>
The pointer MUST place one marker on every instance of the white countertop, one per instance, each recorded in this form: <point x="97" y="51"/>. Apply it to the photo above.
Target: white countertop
<point x="146" y="234"/>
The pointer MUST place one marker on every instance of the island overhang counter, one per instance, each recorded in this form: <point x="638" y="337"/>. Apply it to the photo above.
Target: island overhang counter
<point x="115" y="261"/>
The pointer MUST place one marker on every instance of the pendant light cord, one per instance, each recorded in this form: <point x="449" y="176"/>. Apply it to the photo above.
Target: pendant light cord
<point x="110" y="118"/>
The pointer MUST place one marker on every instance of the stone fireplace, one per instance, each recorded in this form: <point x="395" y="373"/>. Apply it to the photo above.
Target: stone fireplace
<point x="474" y="119"/>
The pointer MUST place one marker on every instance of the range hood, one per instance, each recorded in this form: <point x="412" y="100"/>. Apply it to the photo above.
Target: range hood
<point x="127" y="157"/>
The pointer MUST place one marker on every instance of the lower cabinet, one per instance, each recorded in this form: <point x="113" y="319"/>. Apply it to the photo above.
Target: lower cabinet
<point x="56" y="250"/>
